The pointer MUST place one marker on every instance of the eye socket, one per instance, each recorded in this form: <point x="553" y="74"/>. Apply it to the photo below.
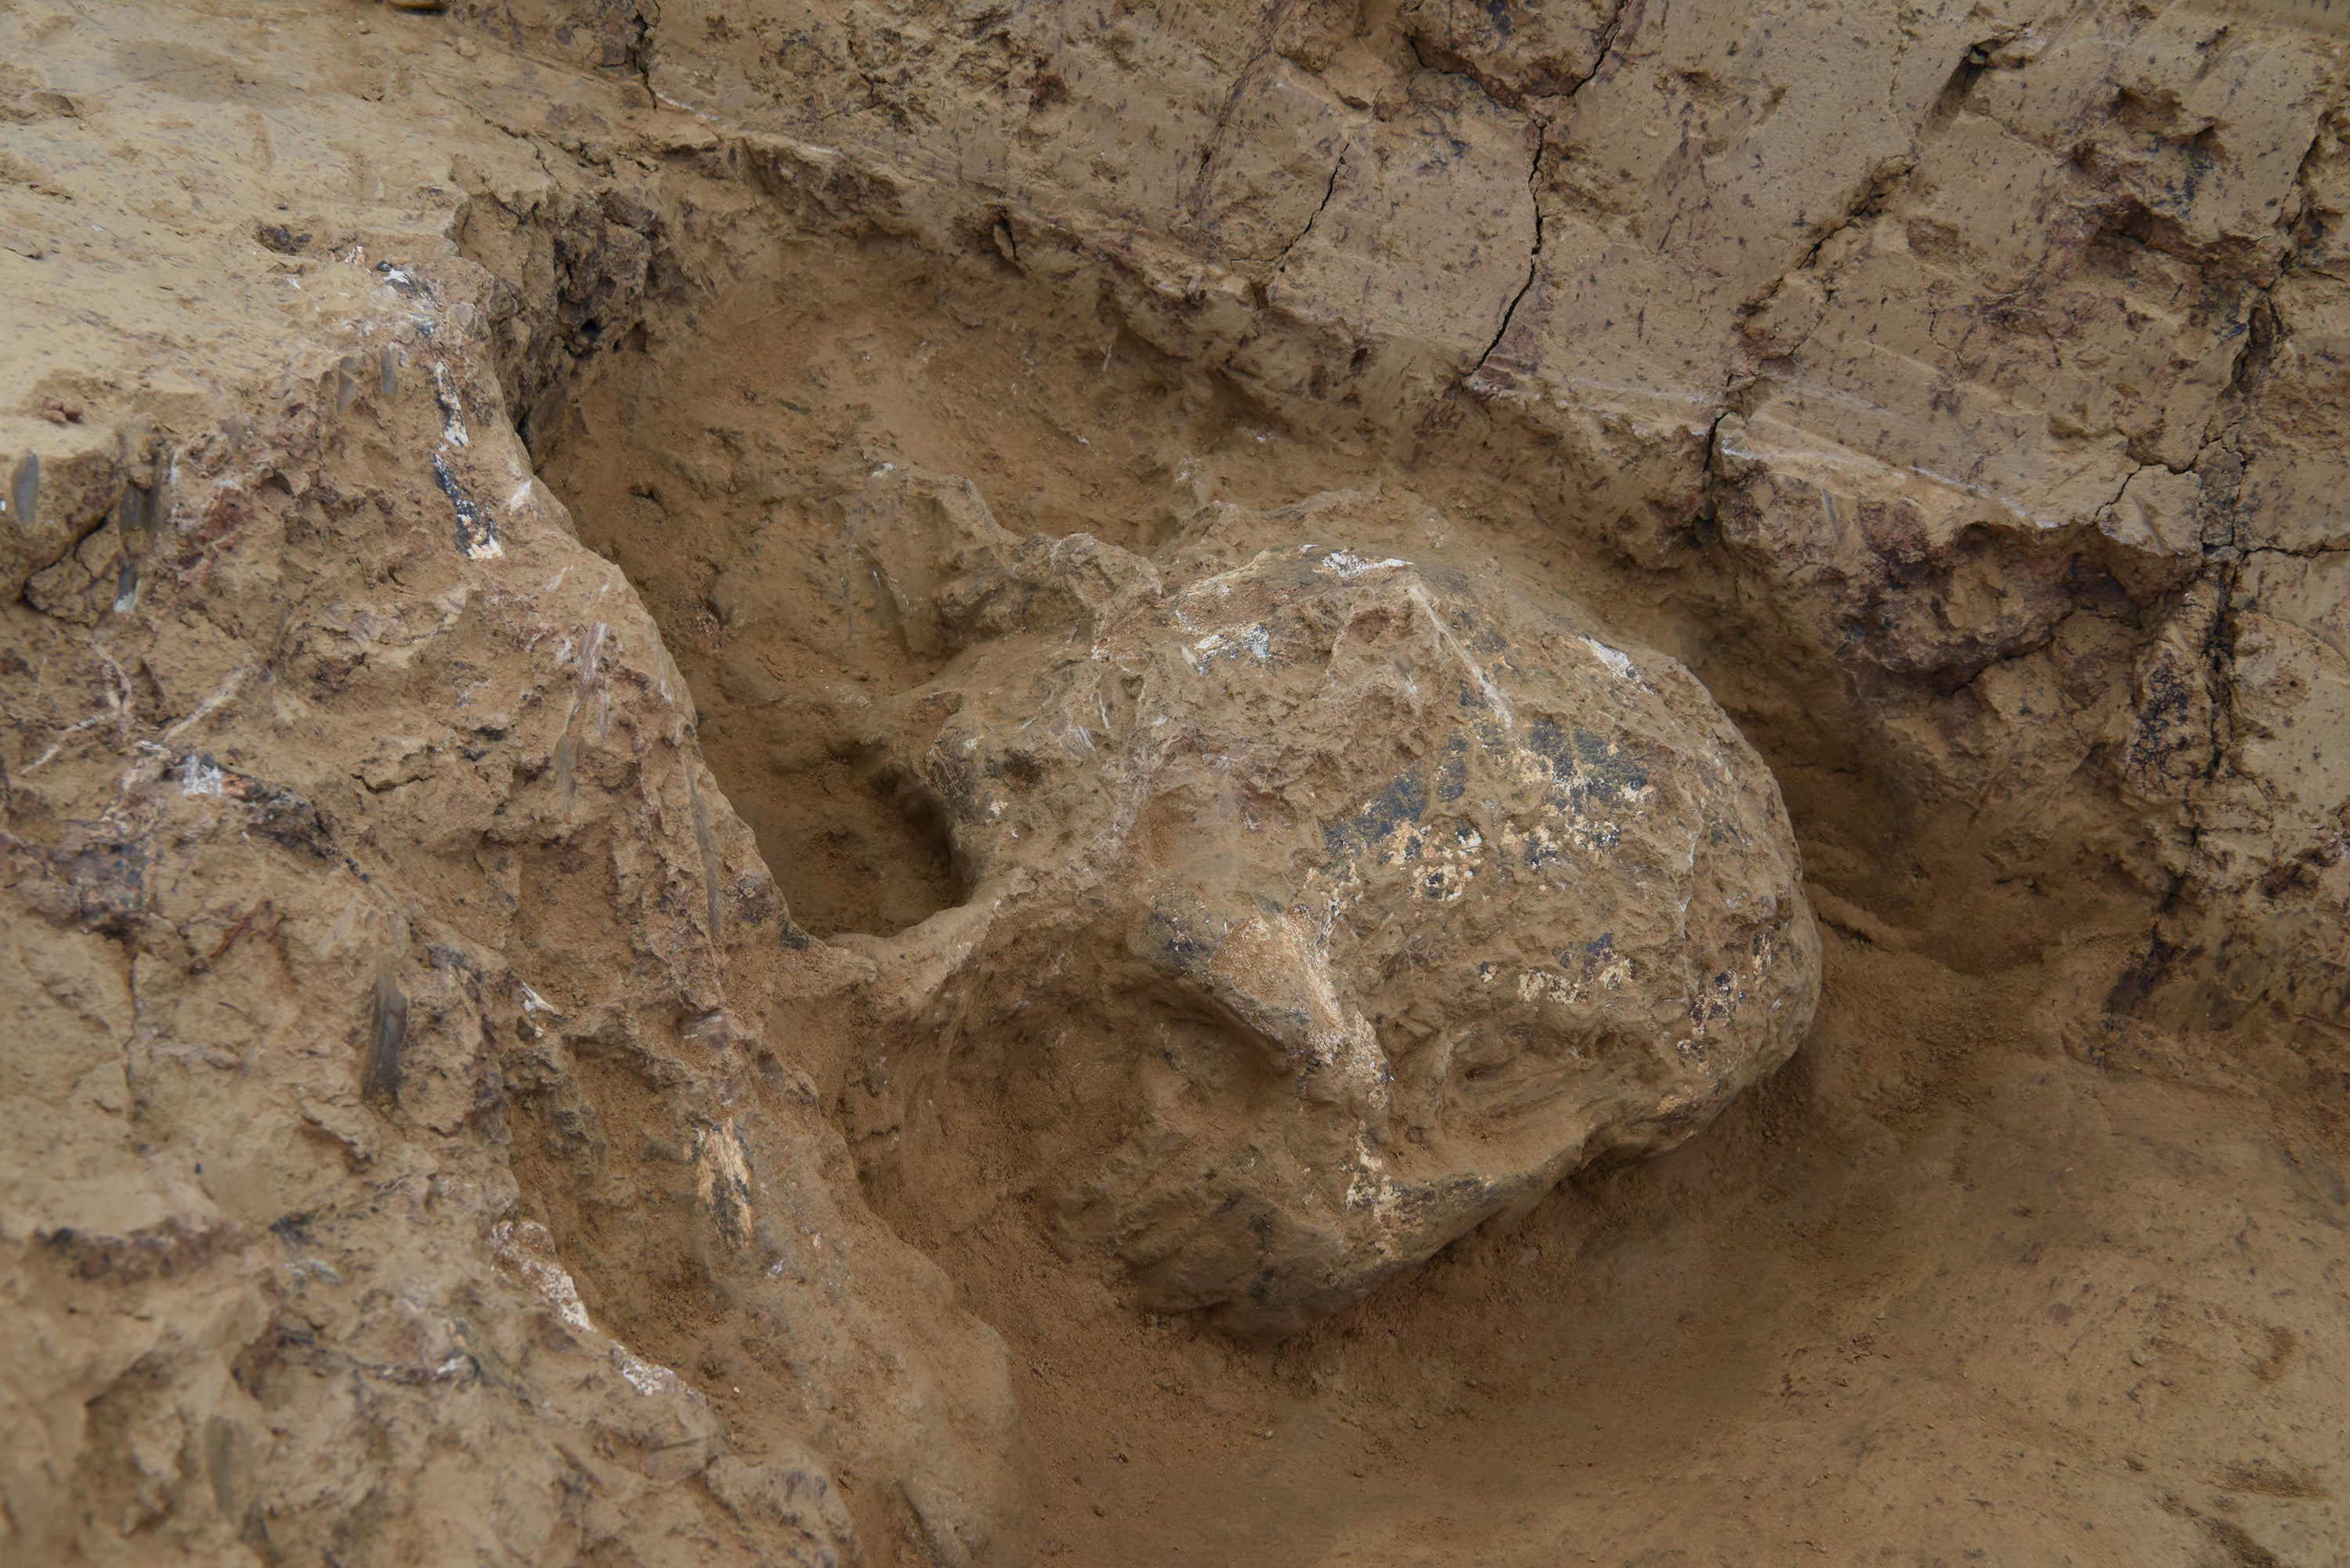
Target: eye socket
<point x="853" y="847"/>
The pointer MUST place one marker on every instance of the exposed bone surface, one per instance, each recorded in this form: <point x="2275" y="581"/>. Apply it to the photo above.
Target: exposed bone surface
<point x="1332" y="903"/>
<point x="938" y="783"/>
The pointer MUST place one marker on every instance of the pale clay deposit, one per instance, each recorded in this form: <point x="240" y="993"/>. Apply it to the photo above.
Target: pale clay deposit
<point x="1402" y="783"/>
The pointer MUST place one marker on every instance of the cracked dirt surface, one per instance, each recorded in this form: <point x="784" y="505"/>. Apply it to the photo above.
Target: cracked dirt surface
<point x="521" y="1043"/>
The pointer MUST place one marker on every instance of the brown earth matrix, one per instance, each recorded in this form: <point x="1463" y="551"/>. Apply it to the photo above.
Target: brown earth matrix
<point x="654" y="908"/>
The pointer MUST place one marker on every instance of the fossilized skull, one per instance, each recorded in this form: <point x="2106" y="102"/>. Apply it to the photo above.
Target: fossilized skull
<point x="1322" y="906"/>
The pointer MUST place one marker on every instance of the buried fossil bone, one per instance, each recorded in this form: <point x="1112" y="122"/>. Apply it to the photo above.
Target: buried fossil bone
<point x="1364" y="899"/>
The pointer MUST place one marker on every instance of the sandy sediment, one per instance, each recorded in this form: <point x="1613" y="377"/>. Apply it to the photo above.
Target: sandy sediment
<point x="761" y="765"/>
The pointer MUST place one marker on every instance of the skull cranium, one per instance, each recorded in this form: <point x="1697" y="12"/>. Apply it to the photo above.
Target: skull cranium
<point x="1324" y="905"/>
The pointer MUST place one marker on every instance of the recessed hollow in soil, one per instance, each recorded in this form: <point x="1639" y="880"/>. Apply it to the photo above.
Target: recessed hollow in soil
<point x="1853" y="1278"/>
<point x="709" y="462"/>
<point x="854" y="852"/>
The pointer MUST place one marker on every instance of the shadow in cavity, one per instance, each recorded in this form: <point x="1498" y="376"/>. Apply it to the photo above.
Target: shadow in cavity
<point x="853" y="850"/>
<point x="726" y="461"/>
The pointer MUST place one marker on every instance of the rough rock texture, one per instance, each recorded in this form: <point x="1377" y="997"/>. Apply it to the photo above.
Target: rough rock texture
<point x="374" y="939"/>
<point x="506" y="1051"/>
<point x="1322" y="907"/>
